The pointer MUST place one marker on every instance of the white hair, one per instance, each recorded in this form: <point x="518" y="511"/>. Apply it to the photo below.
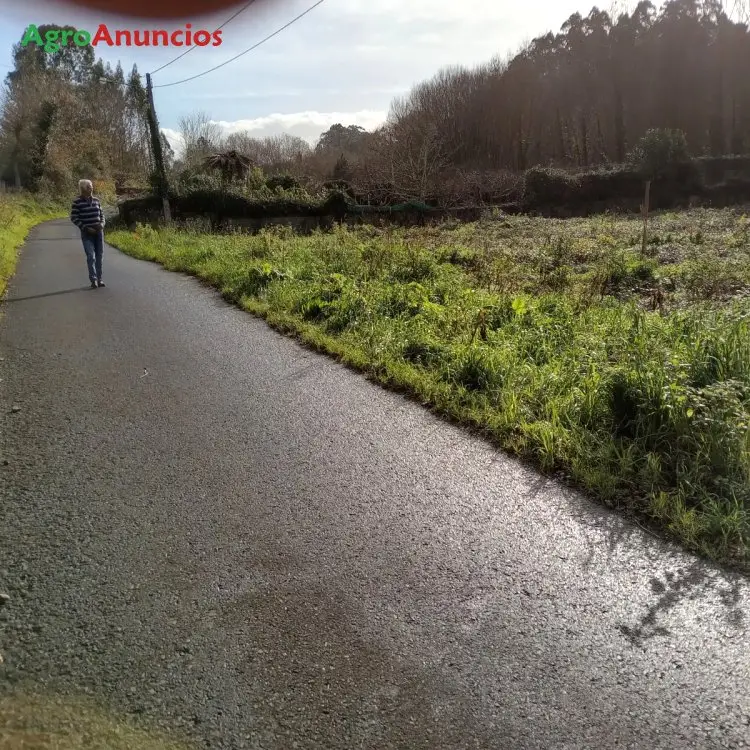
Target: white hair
<point x="84" y="183"/>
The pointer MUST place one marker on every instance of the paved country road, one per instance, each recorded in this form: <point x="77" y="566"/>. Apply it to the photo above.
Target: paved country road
<point x="208" y="526"/>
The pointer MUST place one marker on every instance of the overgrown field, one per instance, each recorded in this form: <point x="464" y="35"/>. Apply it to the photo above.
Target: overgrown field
<point x="18" y="214"/>
<point x="629" y="374"/>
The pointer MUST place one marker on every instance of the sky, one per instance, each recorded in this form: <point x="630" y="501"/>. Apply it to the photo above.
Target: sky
<point x="345" y="61"/>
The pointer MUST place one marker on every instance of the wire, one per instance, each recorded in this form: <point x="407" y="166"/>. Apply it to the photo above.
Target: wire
<point x="255" y="46"/>
<point x="190" y="49"/>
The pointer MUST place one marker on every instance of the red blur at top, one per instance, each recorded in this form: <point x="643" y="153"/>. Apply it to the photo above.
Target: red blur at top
<point x="161" y="9"/>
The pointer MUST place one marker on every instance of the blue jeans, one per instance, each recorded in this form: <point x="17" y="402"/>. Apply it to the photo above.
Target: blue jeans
<point x="93" y="245"/>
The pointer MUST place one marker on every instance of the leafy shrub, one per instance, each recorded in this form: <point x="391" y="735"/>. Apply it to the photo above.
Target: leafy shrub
<point x="340" y="186"/>
<point x="233" y="204"/>
<point x="543" y="186"/>
<point x="658" y="152"/>
<point x="716" y="169"/>
<point x="708" y="277"/>
<point x="282" y="182"/>
<point x="334" y="301"/>
<point x="610" y="185"/>
<point x="137" y="209"/>
<point x="335" y="204"/>
<point x="199" y="181"/>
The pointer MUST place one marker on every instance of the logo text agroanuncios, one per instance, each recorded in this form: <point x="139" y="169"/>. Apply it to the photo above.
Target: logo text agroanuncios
<point x="54" y="39"/>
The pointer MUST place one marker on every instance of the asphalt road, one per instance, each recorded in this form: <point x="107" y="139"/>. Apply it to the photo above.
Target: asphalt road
<point x="210" y="527"/>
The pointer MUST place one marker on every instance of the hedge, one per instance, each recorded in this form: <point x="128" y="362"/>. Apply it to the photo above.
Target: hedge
<point x="543" y="190"/>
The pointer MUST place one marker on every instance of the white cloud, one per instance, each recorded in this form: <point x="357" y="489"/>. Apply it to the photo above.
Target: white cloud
<point x="371" y="49"/>
<point x="307" y="125"/>
<point x="429" y="39"/>
<point x="238" y="95"/>
<point x="429" y="10"/>
<point x="323" y="120"/>
<point x="174" y="139"/>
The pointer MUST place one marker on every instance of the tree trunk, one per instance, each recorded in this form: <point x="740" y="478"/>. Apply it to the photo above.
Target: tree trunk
<point x="619" y="127"/>
<point x="584" y="140"/>
<point x="736" y="138"/>
<point x="716" y="126"/>
<point x="561" y="137"/>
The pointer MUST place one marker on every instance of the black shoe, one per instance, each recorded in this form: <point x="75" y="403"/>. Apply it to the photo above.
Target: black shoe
<point x="93" y="285"/>
<point x="101" y="283"/>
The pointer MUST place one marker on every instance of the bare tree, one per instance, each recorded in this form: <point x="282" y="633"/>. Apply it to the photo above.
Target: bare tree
<point x="200" y="137"/>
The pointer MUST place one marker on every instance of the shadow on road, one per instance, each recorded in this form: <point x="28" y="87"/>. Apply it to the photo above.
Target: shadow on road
<point x="48" y="294"/>
<point x="680" y="582"/>
<point x="672" y="589"/>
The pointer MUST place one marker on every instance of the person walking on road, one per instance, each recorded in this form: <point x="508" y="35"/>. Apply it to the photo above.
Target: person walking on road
<point x="88" y="216"/>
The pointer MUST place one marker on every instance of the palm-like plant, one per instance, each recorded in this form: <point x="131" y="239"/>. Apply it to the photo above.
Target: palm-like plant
<point x="232" y="165"/>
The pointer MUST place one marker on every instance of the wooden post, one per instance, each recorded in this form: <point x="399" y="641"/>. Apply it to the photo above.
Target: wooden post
<point x="644" y="212"/>
<point x="153" y="124"/>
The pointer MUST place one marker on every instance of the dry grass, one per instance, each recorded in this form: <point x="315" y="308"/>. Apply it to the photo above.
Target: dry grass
<point x="36" y="722"/>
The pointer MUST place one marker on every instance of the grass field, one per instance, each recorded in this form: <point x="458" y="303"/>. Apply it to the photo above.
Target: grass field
<point x="628" y="374"/>
<point x="18" y="214"/>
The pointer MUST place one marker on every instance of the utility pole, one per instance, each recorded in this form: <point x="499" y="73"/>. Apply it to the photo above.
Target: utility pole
<point x="153" y="125"/>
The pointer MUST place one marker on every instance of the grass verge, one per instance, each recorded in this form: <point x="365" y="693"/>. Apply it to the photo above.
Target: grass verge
<point x="20" y="212"/>
<point x="628" y="374"/>
<point x="37" y="722"/>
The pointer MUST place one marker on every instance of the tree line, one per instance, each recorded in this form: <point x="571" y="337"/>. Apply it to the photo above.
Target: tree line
<point x="68" y="115"/>
<point x="577" y="99"/>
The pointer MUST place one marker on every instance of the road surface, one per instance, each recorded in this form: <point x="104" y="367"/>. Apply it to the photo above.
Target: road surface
<point x="209" y="527"/>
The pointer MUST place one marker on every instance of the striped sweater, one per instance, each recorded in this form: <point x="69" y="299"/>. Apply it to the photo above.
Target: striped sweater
<point x="86" y="212"/>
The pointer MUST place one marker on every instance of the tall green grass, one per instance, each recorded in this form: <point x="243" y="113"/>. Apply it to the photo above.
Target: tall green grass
<point x="629" y="374"/>
<point x="18" y="214"/>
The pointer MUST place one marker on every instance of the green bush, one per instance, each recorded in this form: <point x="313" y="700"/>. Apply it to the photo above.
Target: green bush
<point x="224" y="203"/>
<point x="603" y="185"/>
<point x="621" y="187"/>
<point x="544" y="186"/>
<point x="199" y="181"/>
<point x="282" y="182"/>
<point x="658" y="152"/>
<point x="716" y="169"/>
